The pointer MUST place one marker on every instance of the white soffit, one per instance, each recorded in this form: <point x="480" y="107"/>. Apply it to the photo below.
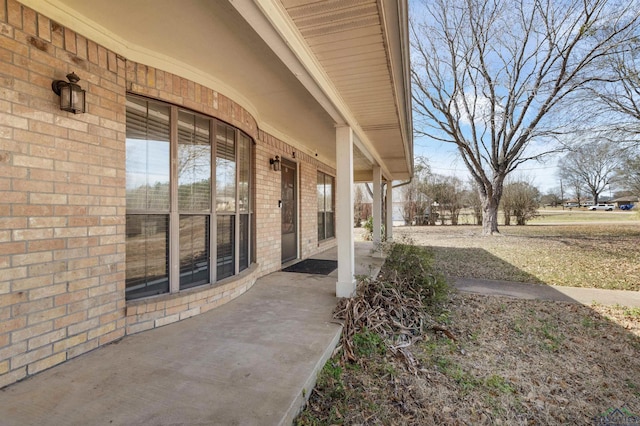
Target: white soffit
<point x="359" y="46"/>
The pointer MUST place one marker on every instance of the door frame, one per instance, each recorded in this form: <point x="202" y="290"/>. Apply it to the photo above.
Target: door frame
<point x="296" y="220"/>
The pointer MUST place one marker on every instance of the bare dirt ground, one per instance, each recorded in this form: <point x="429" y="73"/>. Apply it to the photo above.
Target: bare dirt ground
<point x="506" y="361"/>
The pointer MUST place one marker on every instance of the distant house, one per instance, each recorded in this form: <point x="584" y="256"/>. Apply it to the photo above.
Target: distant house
<point x="220" y="139"/>
<point x="626" y="201"/>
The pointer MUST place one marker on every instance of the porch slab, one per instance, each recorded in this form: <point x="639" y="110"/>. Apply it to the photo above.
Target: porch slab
<point x="251" y="361"/>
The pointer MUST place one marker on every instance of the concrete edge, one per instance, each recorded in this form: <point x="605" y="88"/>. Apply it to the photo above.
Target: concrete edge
<point x="305" y="390"/>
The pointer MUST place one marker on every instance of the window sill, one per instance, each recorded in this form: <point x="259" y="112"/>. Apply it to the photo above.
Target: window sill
<point x="156" y="311"/>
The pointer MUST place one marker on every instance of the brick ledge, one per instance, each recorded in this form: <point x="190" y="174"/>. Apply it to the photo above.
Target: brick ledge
<point x="156" y="311"/>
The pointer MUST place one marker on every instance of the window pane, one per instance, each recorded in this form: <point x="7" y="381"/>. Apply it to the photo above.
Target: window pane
<point x="328" y="194"/>
<point x="329" y="226"/>
<point x="147" y="246"/>
<point x="194" y="251"/>
<point x="244" y="241"/>
<point x="244" y="164"/>
<point x="321" y="234"/>
<point x="147" y="165"/>
<point x="320" y="190"/>
<point x="225" y="168"/>
<point x="225" y="247"/>
<point x="194" y="163"/>
<point x="325" y="206"/>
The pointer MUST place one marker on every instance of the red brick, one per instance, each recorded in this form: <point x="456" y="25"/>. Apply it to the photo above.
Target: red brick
<point x="14" y="15"/>
<point x="3" y="11"/>
<point x="44" y="28"/>
<point x="69" y="40"/>
<point x="31" y="210"/>
<point x="32" y="186"/>
<point x="81" y="47"/>
<point x="29" y="21"/>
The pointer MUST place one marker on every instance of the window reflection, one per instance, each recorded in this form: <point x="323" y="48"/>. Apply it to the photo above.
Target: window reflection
<point x="325" y="185"/>
<point x="194" y="251"/>
<point x="147" y="164"/>
<point x="225" y="246"/>
<point x="147" y="246"/>
<point x="225" y="169"/>
<point x="194" y="163"/>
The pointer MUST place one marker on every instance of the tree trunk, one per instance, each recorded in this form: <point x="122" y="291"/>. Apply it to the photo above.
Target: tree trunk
<point x="490" y="215"/>
<point x="507" y="217"/>
<point x="490" y="193"/>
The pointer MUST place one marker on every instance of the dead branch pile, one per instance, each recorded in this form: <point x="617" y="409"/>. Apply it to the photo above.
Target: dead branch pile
<point x="397" y="305"/>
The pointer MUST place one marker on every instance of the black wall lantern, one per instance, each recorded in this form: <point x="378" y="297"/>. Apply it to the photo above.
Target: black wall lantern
<point x="275" y="163"/>
<point x="71" y="94"/>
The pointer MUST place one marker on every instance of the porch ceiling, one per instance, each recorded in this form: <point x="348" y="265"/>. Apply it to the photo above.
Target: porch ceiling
<point x="301" y="67"/>
<point x="355" y="42"/>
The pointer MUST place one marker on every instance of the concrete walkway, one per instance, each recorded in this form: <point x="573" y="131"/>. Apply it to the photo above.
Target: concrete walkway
<point x="249" y="362"/>
<point x="585" y="296"/>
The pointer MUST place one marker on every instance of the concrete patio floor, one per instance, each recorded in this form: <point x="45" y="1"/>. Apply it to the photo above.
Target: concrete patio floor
<point x="251" y="361"/>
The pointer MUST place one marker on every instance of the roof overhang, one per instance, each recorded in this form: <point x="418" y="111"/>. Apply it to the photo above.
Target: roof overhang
<point x="301" y="67"/>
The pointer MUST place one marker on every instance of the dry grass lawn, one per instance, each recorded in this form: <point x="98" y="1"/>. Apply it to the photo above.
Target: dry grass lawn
<point x="510" y="362"/>
<point x="582" y="255"/>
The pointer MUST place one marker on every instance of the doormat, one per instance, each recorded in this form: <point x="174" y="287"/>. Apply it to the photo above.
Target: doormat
<point x="313" y="266"/>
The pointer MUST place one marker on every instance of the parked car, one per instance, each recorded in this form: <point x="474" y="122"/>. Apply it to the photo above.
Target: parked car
<point x="603" y="206"/>
<point x="626" y="206"/>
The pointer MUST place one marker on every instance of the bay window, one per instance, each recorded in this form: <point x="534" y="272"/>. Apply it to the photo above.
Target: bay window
<point x="188" y="190"/>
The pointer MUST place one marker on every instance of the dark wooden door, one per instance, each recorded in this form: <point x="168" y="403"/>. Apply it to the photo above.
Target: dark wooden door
<point x="289" y="211"/>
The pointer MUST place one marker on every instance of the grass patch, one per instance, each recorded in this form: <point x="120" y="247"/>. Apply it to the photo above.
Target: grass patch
<point x="591" y="255"/>
<point x="499" y="384"/>
<point x="367" y="344"/>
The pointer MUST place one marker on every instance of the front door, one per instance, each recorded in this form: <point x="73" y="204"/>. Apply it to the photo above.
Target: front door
<point x="289" y="211"/>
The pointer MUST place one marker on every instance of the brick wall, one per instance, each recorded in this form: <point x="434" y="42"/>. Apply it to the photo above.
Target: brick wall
<point x="62" y="199"/>
<point x="63" y="205"/>
<point x="267" y="194"/>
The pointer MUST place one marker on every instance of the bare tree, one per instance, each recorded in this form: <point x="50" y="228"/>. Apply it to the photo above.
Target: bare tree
<point x="472" y="199"/>
<point x="361" y="206"/>
<point x="619" y="93"/>
<point x="447" y="194"/>
<point x="592" y="166"/>
<point x="490" y="76"/>
<point x="416" y="202"/>
<point x="520" y="199"/>
<point x="552" y="198"/>
<point x="628" y="175"/>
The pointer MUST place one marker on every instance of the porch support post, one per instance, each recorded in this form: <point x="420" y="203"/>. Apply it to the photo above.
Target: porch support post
<point x="346" y="285"/>
<point x="377" y="205"/>
<point x="389" y="226"/>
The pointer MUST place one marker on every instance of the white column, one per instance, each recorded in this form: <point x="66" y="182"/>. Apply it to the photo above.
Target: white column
<point x="377" y="204"/>
<point x="346" y="285"/>
<point x="389" y="225"/>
